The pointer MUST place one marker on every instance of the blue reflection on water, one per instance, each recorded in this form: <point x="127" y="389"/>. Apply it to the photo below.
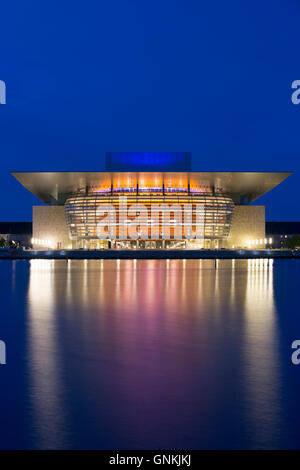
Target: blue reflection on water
<point x="149" y="354"/>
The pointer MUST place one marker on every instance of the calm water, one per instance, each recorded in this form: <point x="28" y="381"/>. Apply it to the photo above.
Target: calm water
<point x="149" y="354"/>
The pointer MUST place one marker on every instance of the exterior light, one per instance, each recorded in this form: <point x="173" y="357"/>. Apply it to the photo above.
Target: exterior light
<point x="266" y="241"/>
<point x="270" y="240"/>
<point x="261" y="241"/>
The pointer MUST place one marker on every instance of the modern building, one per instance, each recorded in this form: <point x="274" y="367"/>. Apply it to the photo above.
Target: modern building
<point x="157" y="202"/>
<point x="19" y="233"/>
<point x="282" y="232"/>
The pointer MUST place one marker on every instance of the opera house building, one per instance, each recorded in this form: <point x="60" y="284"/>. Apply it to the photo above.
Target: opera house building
<point x="149" y="201"/>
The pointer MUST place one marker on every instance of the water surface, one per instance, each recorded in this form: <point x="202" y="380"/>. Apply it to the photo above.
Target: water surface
<point x="138" y="354"/>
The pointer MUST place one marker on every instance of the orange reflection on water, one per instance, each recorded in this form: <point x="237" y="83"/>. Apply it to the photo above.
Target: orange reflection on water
<point x="149" y="338"/>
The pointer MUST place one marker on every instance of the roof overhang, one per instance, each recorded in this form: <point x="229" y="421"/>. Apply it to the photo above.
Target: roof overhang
<point x="54" y="187"/>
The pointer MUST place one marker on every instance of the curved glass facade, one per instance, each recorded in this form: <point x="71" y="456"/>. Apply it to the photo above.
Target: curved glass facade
<point x="174" y="219"/>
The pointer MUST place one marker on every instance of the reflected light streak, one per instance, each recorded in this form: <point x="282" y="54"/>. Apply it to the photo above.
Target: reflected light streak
<point x="260" y="347"/>
<point x="45" y="381"/>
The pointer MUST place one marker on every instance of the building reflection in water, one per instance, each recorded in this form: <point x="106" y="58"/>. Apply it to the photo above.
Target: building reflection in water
<point x="46" y="386"/>
<point x="261" y="351"/>
<point x="155" y="353"/>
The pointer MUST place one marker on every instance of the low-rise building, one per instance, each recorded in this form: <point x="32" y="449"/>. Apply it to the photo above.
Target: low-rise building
<point x="283" y="234"/>
<point x="18" y="232"/>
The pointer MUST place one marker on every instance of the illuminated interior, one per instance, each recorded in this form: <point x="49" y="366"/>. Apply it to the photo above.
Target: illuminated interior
<point x="215" y="213"/>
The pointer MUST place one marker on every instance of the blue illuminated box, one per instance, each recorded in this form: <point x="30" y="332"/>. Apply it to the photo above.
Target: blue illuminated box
<point x="148" y="161"/>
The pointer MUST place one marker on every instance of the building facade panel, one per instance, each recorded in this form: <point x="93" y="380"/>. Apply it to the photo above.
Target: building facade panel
<point x="248" y="225"/>
<point x="49" y="229"/>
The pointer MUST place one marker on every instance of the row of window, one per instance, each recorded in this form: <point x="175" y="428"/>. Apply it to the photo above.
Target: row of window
<point x="211" y="213"/>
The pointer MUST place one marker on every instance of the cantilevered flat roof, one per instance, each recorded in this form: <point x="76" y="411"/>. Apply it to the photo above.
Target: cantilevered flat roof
<point x="241" y="186"/>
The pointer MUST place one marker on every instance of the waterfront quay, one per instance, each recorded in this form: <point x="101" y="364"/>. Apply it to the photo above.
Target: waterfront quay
<point x="148" y="254"/>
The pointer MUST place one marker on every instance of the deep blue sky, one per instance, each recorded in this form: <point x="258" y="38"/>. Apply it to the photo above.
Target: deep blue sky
<point x="213" y="78"/>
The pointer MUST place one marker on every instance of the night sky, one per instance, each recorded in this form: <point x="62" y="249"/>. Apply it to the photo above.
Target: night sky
<point x="212" y="78"/>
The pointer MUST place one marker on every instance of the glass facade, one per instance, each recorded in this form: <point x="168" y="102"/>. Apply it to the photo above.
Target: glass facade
<point x="171" y="219"/>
